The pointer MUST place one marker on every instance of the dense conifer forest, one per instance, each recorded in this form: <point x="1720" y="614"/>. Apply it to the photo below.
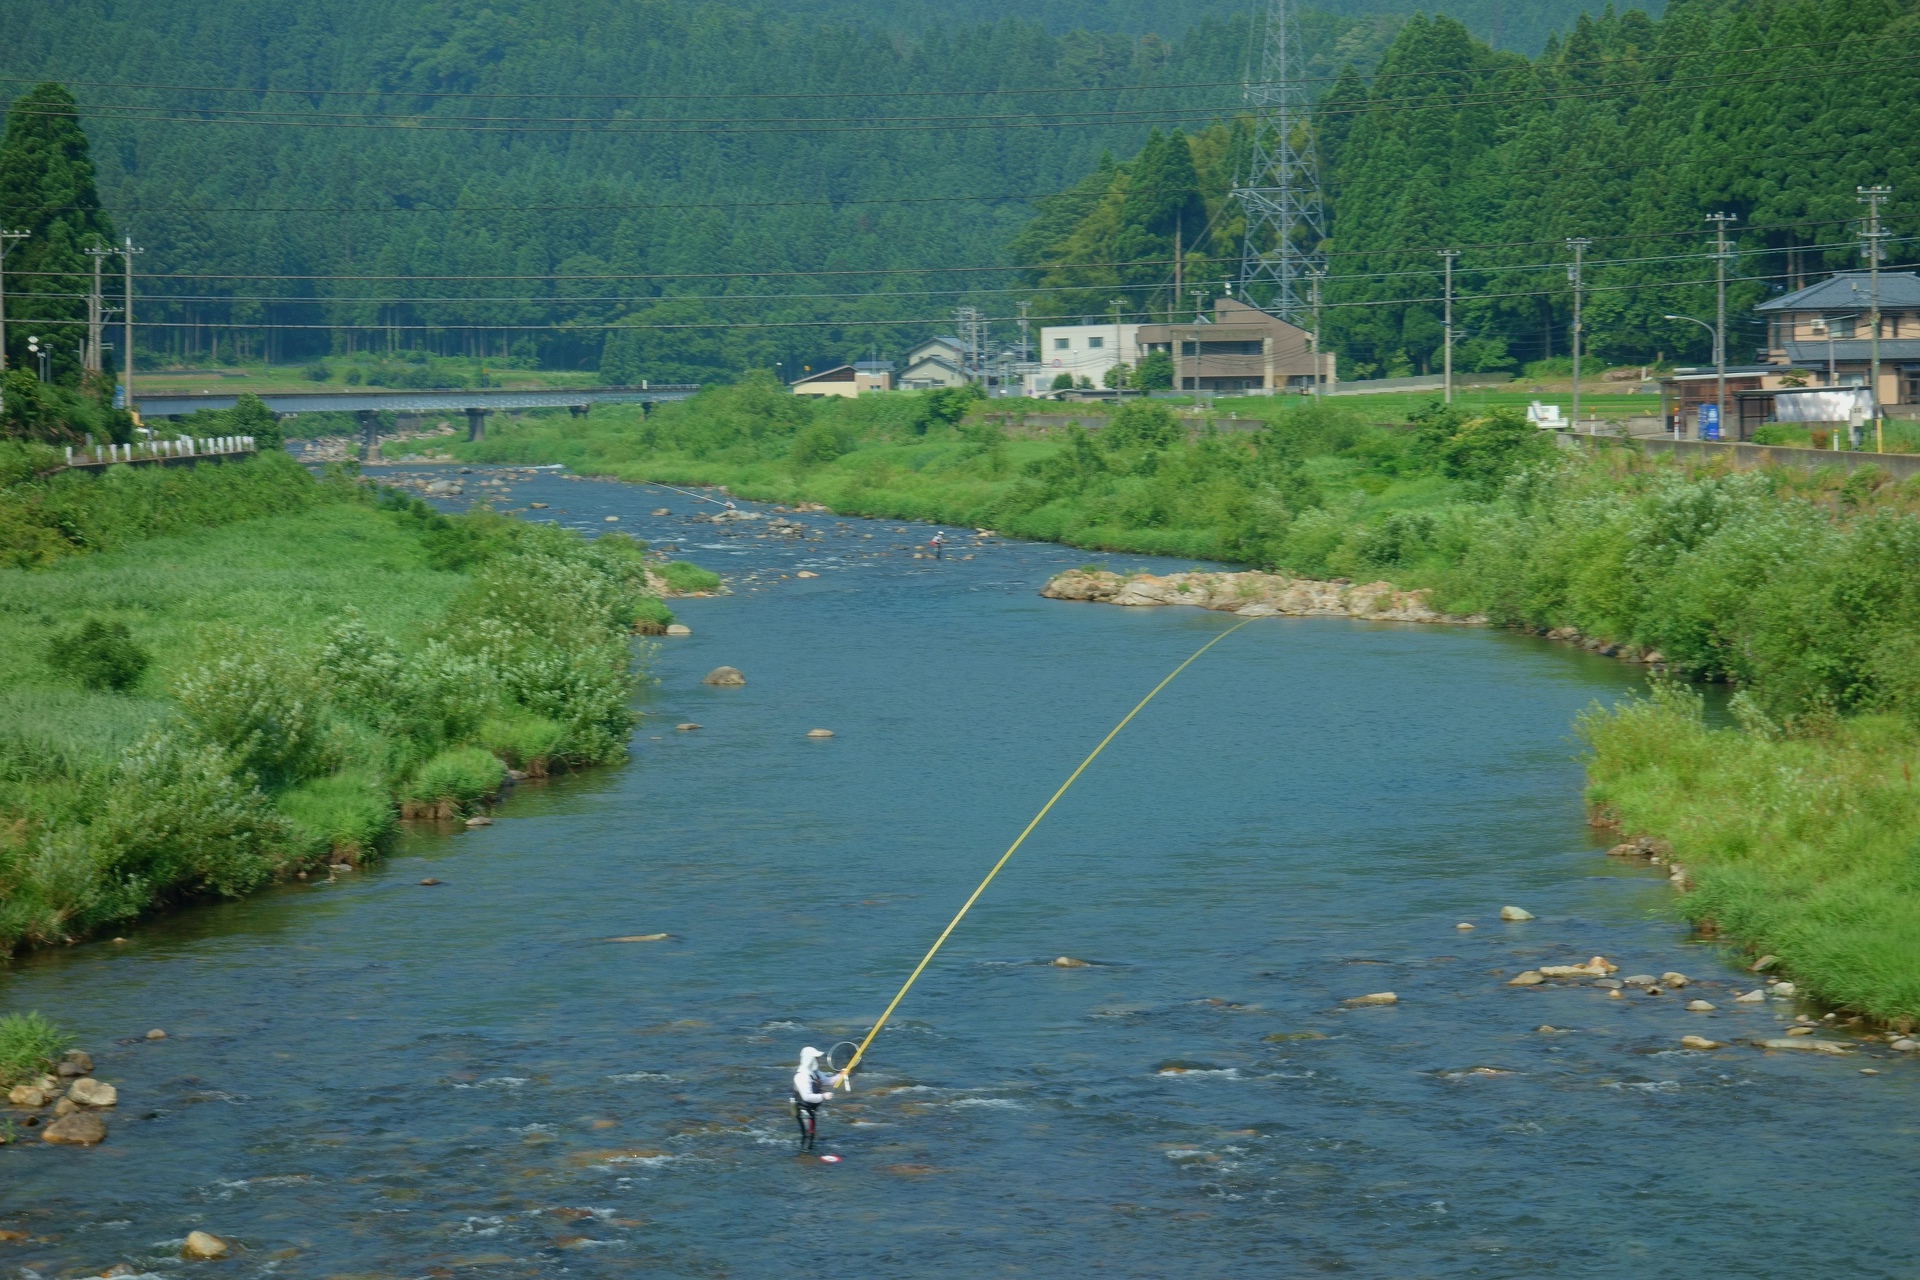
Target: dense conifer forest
<point x="684" y="192"/>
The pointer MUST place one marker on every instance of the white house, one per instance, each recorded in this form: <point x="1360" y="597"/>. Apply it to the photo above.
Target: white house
<point x="1083" y="351"/>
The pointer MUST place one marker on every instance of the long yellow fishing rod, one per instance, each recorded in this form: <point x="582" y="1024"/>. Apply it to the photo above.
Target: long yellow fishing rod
<point x="845" y="1072"/>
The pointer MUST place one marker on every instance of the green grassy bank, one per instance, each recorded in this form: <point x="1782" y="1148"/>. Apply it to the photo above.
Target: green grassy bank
<point x="206" y="711"/>
<point x="1797" y="587"/>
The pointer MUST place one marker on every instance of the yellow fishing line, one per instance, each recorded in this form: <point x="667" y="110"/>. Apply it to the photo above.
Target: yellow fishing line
<point x="1073" y="777"/>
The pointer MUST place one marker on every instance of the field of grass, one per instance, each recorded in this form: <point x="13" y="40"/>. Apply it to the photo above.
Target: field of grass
<point x="204" y="712"/>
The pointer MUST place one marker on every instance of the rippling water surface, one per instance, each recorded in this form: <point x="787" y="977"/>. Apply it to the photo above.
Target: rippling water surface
<point x="375" y="1078"/>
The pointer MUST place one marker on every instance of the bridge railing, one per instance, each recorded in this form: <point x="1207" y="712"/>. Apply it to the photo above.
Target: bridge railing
<point x="159" y="451"/>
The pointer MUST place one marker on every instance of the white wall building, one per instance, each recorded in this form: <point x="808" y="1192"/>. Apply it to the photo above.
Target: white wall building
<point x="1083" y="350"/>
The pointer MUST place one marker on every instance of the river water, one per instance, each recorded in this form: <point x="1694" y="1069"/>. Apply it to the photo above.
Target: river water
<point x="376" y="1078"/>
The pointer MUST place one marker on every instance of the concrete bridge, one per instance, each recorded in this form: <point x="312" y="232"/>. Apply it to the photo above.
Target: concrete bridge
<point x="366" y="406"/>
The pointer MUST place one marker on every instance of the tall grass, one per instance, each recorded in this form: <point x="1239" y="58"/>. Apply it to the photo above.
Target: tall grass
<point x="29" y="1045"/>
<point x="309" y="669"/>
<point x="1799" y="847"/>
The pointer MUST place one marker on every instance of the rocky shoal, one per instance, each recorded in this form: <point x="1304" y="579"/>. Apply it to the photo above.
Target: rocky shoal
<point x="1252" y="594"/>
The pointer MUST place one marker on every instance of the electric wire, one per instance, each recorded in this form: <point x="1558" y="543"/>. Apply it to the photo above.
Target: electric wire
<point x="1678" y="55"/>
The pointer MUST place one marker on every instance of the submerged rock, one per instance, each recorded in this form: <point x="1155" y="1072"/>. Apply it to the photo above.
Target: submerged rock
<point x="1378" y="997"/>
<point x="156" y="1034"/>
<point x="203" y="1247"/>
<point x="81" y="1129"/>
<point x="1700" y="1042"/>
<point x="1808" y="1044"/>
<point x="1067" y="962"/>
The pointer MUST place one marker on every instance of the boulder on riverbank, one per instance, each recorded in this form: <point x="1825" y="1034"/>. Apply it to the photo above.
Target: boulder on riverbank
<point x="1252" y="594"/>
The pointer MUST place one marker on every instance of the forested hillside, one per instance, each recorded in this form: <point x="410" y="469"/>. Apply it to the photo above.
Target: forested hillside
<point x="462" y="178"/>
<point x="1628" y="133"/>
<point x="681" y="192"/>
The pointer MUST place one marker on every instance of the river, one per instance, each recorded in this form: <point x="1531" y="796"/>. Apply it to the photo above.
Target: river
<point x="372" y="1077"/>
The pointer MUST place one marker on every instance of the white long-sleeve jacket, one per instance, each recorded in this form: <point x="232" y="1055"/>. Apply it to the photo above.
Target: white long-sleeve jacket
<point x="809" y="1086"/>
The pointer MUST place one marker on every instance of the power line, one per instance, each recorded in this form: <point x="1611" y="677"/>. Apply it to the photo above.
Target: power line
<point x="443" y="94"/>
<point x="851" y="322"/>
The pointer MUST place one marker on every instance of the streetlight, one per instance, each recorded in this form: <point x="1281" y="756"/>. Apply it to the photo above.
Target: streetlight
<point x="41" y="354"/>
<point x="1720" y="370"/>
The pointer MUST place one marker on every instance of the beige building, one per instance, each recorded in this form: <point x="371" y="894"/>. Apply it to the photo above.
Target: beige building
<point x="847" y="380"/>
<point x="1244" y="351"/>
<point x="1824" y="330"/>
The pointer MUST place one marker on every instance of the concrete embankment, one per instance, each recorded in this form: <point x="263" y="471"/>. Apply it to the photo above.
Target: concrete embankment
<point x="1253" y="594"/>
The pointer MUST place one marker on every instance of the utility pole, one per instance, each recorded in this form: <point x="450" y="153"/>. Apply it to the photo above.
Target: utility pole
<point x="6" y="237"/>
<point x="126" y="357"/>
<point x="1720" y="256"/>
<point x="1871" y="197"/>
<point x="1313" y="339"/>
<point x="1448" y="255"/>
<point x="90" y="359"/>
<point x="1574" y="273"/>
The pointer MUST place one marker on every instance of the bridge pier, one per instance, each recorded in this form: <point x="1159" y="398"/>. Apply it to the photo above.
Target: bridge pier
<point x="476" y="424"/>
<point x="369" y="433"/>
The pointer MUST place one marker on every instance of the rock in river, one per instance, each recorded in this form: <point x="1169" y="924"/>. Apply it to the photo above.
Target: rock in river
<point x="81" y="1129"/>
<point x="79" y="1059"/>
<point x="1752" y="997"/>
<point x="1378" y="997"/>
<point x="679" y="629"/>
<point x="723" y="675"/>
<point x="1672" y="979"/>
<point x="203" y="1247"/>
<point x="89" y="1092"/>
<point x="819" y="733"/>
<point x="1531" y="978"/>
<point x="26" y="1095"/>
<point x="1067" y="962"/>
<point x="1699" y="1006"/>
<point x="1806" y="1043"/>
<point x="1700" y="1042"/>
<point x="1515" y="913"/>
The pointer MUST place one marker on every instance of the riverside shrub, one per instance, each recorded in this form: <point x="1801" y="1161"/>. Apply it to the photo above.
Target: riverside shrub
<point x="99" y="655"/>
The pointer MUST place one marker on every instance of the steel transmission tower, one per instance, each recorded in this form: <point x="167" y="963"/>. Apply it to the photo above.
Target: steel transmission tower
<point x="1281" y="194"/>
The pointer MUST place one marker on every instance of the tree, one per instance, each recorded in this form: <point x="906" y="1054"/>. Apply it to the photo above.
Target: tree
<point x="1154" y="372"/>
<point x="47" y="189"/>
<point x="251" y="417"/>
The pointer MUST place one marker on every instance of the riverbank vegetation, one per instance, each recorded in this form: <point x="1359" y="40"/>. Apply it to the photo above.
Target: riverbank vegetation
<point x="1794" y="586"/>
<point x="206" y="711"/>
